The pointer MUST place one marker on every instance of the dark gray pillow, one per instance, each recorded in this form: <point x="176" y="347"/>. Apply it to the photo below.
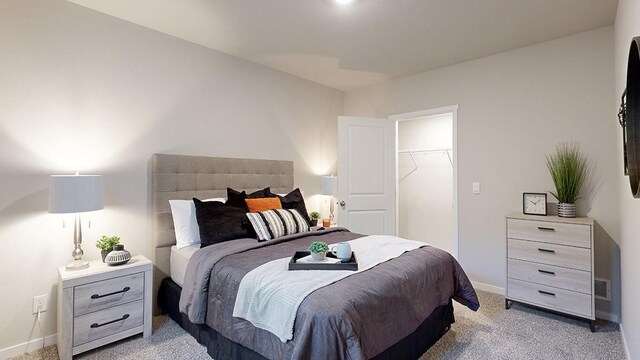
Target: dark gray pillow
<point x="219" y="222"/>
<point x="293" y="200"/>
<point x="236" y="198"/>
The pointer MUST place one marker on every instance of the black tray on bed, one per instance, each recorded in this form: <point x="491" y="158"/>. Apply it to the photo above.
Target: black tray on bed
<point x="352" y="264"/>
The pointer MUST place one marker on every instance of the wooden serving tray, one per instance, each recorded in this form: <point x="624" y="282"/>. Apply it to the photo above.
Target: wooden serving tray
<point x="351" y="265"/>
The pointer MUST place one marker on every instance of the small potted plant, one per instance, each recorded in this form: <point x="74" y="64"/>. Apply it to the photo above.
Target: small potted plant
<point x="318" y="250"/>
<point x="569" y="169"/>
<point x="314" y="216"/>
<point x="106" y="244"/>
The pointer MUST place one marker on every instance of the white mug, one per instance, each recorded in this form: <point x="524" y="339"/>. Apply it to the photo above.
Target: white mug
<point x="342" y="251"/>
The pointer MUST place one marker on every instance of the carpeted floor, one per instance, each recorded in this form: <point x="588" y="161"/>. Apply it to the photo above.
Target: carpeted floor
<point x="490" y="333"/>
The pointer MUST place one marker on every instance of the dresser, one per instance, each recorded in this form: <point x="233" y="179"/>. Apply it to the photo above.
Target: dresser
<point x="102" y="304"/>
<point x="550" y="264"/>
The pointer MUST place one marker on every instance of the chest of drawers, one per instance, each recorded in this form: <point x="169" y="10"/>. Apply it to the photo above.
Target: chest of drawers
<point x="102" y="304"/>
<point x="550" y="264"/>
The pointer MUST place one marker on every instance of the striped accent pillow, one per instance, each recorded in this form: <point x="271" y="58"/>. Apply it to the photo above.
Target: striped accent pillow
<point x="272" y="224"/>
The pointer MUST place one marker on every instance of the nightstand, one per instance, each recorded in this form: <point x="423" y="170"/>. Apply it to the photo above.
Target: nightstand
<point x="103" y="304"/>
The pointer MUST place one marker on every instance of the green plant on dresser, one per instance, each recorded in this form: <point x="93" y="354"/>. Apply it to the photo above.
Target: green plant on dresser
<point x="570" y="170"/>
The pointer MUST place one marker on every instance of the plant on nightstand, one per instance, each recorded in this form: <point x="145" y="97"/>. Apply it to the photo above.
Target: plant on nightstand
<point x="318" y="250"/>
<point x="314" y="216"/>
<point x="106" y="244"/>
<point x="569" y="170"/>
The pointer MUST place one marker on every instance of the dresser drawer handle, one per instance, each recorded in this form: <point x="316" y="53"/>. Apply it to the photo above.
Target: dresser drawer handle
<point x="546" y="272"/>
<point x="546" y="293"/>
<point x="542" y="228"/>
<point x="96" y="325"/>
<point x="96" y="296"/>
<point x="547" y="251"/>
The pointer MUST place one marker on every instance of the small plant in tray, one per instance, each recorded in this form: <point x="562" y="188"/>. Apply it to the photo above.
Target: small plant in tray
<point x="318" y="250"/>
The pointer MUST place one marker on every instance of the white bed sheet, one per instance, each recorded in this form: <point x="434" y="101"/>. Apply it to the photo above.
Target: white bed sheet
<point x="179" y="260"/>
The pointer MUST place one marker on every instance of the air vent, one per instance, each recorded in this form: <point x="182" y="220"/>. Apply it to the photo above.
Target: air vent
<point x="602" y="289"/>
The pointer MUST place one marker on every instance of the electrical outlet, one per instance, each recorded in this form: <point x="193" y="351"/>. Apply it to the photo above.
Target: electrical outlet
<point x="40" y="303"/>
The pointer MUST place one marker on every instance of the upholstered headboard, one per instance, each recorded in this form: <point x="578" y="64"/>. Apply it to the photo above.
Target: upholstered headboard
<point x="185" y="177"/>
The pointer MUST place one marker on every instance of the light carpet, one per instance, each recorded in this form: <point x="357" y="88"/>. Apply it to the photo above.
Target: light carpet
<point x="491" y="333"/>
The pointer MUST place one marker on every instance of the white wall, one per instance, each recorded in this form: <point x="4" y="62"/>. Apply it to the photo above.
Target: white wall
<point x="514" y="108"/>
<point x="627" y="26"/>
<point x="425" y="189"/>
<point x="80" y="90"/>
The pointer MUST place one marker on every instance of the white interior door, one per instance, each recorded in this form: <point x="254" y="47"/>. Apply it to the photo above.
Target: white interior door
<point x="367" y="175"/>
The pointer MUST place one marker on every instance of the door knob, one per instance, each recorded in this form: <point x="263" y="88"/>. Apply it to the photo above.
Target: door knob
<point x="342" y="203"/>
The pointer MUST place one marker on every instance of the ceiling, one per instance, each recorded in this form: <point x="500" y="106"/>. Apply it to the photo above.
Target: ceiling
<point x="364" y="42"/>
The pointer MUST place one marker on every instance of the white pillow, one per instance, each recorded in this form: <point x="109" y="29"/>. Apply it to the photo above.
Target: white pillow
<point x="185" y="223"/>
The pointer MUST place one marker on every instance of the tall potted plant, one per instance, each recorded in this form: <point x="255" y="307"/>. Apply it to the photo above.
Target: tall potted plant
<point x="569" y="170"/>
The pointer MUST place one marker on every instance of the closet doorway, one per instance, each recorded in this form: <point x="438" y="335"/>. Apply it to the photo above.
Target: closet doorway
<point x="426" y="177"/>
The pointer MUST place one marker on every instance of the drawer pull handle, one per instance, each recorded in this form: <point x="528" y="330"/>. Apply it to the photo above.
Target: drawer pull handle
<point x="96" y="325"/>
<point x="542" y="228"/>
<point x="96" y="296"/>
<point x="546" y="272"/>
<point x="546" y="293"/>
<point x="546" y="251"/>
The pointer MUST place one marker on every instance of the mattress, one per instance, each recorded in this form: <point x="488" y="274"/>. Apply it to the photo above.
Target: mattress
<point x="179" y="260"/>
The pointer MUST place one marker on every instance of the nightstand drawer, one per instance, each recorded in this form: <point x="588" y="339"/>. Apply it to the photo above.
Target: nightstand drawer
<point x="569" y="279"/>
<point x="551" y="232"/>
<point x="558" y="255"/>
<point x="107" y="322"/>
<point x="566" y="301"/>
<point x="107" y="293"/>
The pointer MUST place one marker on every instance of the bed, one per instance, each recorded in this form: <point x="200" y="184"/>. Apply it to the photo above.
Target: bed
<point x="371" y="314"/>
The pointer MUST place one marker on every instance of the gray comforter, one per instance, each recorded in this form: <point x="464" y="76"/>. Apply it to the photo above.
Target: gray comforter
<point x="355" y="318"/>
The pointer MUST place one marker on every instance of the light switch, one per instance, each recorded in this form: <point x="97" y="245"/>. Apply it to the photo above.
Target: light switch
<point x="476" y="187"/>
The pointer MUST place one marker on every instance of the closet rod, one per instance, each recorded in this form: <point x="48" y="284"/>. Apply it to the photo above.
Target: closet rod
<point x="418" y="151"/>
<point x="414" y="151"/>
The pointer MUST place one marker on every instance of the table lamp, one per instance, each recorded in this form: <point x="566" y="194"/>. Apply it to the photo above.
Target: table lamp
<point x="75" y="194"/>
<point x="329" y="186"/>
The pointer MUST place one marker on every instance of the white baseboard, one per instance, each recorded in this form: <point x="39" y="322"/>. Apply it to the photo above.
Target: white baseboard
<point x="487" y="287"/>
<point x="607" y="316"/>
<point x="26" y="347"/>
<point x="624" y="343"/>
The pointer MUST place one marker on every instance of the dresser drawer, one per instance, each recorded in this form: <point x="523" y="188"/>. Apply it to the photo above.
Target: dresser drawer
<point x="107" y="293"/>
<point x="558" y="255"/>
<point x="568" y="279"/>
<point x="566" y="301"/>
<point x="107" y="322"/>
<point x="551" y="232"/>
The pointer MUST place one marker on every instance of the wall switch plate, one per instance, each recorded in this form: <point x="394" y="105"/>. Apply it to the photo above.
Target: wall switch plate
<point x="476" y="187"/>
<point x="40" y="302"/>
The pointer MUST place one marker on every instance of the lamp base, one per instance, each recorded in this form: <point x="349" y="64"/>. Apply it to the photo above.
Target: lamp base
<point x="77" y="265"/>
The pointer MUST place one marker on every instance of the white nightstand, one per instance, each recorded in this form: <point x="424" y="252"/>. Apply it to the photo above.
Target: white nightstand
<point x="102" y="304"/>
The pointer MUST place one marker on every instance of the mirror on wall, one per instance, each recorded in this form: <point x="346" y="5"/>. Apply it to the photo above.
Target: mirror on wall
<point x="629" y="117"/>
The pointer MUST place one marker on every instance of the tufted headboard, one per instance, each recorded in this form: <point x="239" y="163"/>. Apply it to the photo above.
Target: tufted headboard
<point x="185" y="177"/>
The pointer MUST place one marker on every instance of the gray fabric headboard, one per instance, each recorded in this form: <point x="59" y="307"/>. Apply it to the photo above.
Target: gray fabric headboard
<point x="185" y="177"/>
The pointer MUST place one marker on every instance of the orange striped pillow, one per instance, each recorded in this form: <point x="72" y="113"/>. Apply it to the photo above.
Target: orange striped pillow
<point x="263" y="204"/>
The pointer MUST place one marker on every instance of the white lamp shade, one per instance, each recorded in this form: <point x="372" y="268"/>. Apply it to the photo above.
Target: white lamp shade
<point x="75" y="193"/>
<point x="329" y="185"/>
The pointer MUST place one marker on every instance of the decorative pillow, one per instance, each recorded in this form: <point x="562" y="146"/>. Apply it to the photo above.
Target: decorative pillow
<point x="294" y="200"/>
<point x="272" y="224"/>
<point x="219" y="222"/>
<point x="237" y="198"/>
<point x="263" y="204"/>
<point x="185" y="224"/>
